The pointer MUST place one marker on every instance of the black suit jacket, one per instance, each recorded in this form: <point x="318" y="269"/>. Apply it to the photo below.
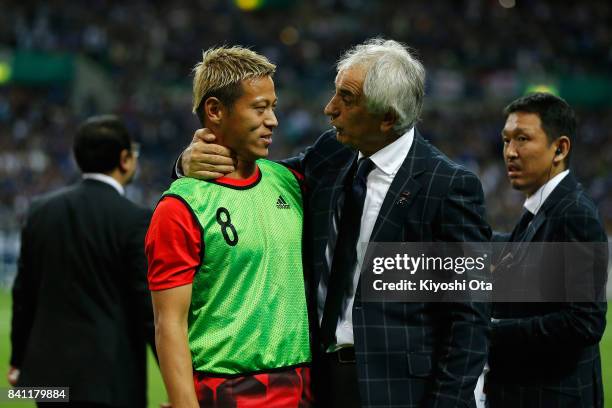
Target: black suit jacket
<point x="547" y="354"/>
<point x="82" y="311"/>
<point x="408" y="354"/>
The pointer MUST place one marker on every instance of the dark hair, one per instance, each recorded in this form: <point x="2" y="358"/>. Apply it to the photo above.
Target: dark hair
<point x="227" y="95"/>
<point x="98" y="143"/>
<point x="557" y="116"/>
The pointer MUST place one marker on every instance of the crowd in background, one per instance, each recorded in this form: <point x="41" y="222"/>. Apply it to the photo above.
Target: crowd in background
<point x="475" y="51"/>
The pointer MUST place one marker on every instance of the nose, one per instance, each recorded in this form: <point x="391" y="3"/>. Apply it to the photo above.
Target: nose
<point x="331" y="109"/>
<point x="510" y="151"/>
<point x="270" y="121"/>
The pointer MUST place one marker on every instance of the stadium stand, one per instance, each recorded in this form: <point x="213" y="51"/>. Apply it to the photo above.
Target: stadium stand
<point x="479" y="56"/>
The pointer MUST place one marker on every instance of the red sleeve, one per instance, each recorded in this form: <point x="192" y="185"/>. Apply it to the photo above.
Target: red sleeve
<point x="299" y="177"/>
<point x="173" y="245"/>
<point x="297" y="174"/>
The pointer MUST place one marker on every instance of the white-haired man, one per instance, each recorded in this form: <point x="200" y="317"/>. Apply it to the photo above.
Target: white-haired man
<point x="373" y="178"/>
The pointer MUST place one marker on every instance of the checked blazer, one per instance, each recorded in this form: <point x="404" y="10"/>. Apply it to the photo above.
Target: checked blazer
<point x="408" y="354"/>
<point x="547" y="354"/>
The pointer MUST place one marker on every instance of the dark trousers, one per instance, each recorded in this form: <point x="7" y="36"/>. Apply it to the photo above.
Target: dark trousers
<point x="335" y="380"/>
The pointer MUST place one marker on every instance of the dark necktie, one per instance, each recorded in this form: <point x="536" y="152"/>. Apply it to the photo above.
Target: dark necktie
<point x="345" y="253"/>
<point x="521" y="227"/>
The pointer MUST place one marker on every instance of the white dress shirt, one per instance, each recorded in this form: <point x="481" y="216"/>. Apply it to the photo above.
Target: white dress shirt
<point x="535" y="201"/>
<point x="387" y="162"/>
<point x="105" y="179"/>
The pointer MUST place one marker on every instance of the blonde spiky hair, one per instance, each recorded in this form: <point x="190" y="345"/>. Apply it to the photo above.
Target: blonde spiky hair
<point x="221" y="71"/>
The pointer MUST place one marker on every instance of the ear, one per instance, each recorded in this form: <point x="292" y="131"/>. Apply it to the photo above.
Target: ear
<point x="562" y="147"/>
<point x="388" y="121"/>
<point x="125" y="157"/>
<point x="213" y="110"/>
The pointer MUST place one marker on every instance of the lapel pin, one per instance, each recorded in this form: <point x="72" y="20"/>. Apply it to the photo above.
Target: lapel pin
<point x="404" y="197"/>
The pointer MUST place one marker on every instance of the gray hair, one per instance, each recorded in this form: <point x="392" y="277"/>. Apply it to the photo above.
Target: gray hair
<point x="394" y="80"/>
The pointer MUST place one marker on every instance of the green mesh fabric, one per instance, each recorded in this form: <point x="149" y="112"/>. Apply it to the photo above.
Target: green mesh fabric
<point x="248" y="307"/>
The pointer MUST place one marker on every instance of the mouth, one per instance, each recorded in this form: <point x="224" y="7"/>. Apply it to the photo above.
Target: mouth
<point x="267" y="139"/>
<point x="513" y="170"/>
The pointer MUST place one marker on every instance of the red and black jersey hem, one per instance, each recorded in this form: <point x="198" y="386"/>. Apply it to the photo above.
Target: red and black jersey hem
<point x="251" y="373"/>
<point x="195" y="218"/>
<point x="237" y="184"/>
<point x="299" y="177"/>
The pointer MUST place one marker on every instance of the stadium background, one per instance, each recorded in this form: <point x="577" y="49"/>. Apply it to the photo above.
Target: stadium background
<point x="61" y="61"/>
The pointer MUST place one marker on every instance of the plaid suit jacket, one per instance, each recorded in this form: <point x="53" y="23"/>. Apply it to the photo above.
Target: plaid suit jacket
<point x="547" y="354"/>
<point x="408" y="354"/>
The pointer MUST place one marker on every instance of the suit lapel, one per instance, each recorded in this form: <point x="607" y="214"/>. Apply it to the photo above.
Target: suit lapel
<point x="534" y="226"/>
<point x="339" y="184"/>
<point x="322" y="227"/>
<point x="402" y="192"/>
<point x="567" y="185"/>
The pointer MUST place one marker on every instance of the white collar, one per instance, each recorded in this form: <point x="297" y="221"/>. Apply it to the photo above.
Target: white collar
<point x="534" y="202"/>
<point x="390" y="158"/>
<point x="105" y="179"/>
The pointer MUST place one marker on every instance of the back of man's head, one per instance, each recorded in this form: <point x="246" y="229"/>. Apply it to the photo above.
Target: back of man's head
<point x="99" y="142"/>
<point x="221" y="72"/>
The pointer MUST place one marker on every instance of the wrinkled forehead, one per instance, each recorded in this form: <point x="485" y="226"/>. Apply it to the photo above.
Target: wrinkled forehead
<point x="351" y="79"/>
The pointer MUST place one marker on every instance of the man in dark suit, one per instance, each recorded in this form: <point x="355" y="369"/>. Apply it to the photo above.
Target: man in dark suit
<point x="374" y="178"/>
<point x="82" y="312"/>
<point x="547" y="354"/>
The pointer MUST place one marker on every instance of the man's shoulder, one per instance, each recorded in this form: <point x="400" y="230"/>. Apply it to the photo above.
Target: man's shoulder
<point x="576" y="202"/>
<point x="275" y="167"/>
<point x="575" y="210"/>
<point x="280" y="172"/>
<point x="134" y="208"/>
<point x="108" y="200"/>
<point x="327" y="139"/>
<point x="441" y="162"/>
<point x="186" y="184"/>
<point x="328" y="149"/>
<point x="439" y="166"/>
<point x="51" y="198"/>
<point x="123" y="209"/>
<point x="79" y="197"/>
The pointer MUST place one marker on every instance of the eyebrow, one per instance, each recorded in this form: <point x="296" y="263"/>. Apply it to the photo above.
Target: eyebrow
<point x="345" y="92"/>
<point x="261" y="99"/>
<point x="515" y="130"/>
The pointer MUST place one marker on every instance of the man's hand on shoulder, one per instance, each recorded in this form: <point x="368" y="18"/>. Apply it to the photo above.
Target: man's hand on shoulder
<point x="204" y="160"/>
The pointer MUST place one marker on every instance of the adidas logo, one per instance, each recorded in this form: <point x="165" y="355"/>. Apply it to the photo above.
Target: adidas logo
<point x="281" y="203"/>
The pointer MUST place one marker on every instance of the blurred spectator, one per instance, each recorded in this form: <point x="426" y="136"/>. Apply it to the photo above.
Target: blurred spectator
<point x="478" y="53"/>
<point x="82" y="313"/>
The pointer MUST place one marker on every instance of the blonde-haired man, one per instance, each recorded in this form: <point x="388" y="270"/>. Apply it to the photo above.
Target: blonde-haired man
<point x="225" y="256"/>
